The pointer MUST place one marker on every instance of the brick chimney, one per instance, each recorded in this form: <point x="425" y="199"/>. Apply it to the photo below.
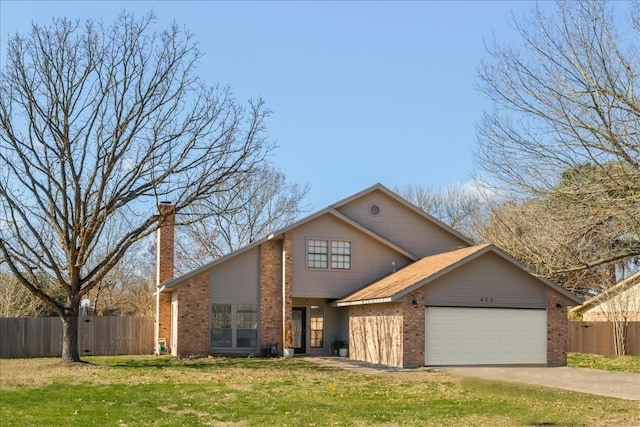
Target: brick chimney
<point x="165" y="242"/>
<point x="164" y="271"/>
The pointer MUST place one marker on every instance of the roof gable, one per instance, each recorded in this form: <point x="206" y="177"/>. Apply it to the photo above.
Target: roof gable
<point x="327" y="211"/>
<point x="418" y="274"/>
<point x="624" y="285"/>
<point x="343" y="206"/>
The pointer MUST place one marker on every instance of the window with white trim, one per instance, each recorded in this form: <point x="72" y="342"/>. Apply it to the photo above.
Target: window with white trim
<point x="247" y="326"/>
<point x="317" y="253"/>
<point x="341" y="255"/>
<point x="317" y="326"/>
<point x="329" y="254"/>
<point x="221" y="331"/>
<point x="234" y="326"/>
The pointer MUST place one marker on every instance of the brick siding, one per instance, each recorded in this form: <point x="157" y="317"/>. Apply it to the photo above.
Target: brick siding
<point x="557" y="328"/>
<point x="165" y="239"/>
<point x="164" y="327"/>
<point x="270" y="329"/>
<point x="193" y="315"/>
<point x="413" y="334"/>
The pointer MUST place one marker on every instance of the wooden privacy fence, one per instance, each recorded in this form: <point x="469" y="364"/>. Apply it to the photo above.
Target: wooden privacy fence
<point x="97" y="336"/>
<point x="597" y="338"/>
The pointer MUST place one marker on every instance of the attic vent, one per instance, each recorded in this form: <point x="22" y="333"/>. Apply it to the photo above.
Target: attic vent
<point x="374" y="210"/>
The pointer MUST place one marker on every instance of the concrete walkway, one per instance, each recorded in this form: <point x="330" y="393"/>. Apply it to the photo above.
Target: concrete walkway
<point x="622" y="385"/>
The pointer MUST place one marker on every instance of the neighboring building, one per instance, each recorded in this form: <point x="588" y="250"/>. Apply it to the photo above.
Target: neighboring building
<point x="401" y="287"/>
<point x="621" y="302"/>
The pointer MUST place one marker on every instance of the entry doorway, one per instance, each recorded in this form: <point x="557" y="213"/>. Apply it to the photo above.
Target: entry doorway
<point x="299" y="329"/>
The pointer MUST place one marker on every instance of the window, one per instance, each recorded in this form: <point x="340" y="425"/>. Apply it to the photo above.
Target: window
<point x="234" y="326"/>
<point x="318" y="254"/>
<point x="340" y="254"/>
<point x="247" y="323"/>
<point x="317" y="326"/>
<point x="221" y="331"/>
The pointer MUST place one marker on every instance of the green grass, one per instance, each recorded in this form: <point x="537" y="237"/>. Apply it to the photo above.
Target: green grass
<point x="609" y="363"/>
<point x="149" y="391"/>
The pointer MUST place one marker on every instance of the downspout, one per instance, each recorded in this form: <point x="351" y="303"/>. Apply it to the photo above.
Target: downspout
<point x="156" y="324"/>
<point x="284" y="295"/>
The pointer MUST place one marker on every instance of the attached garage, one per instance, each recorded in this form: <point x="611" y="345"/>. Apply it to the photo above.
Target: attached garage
<point x="471" y="306"/>
<point x="485" y="336"/>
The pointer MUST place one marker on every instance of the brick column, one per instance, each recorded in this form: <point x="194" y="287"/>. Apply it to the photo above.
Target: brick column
<point x="270" y="293"/>
<point x="413" y="329"/>
<point x="271" y="276"/>
<point x="557" y="329"/>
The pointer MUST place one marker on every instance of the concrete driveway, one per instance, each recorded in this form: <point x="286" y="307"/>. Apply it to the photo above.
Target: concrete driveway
<point x="622" y="385"/>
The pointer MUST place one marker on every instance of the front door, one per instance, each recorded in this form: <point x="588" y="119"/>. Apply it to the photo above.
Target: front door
<point x="299" y="323"/>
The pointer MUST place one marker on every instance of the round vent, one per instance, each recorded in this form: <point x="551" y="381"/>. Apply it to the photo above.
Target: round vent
<point x="374" y="210"/>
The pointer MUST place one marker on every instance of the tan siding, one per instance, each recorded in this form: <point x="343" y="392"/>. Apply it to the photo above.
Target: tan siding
<point x="625" y="305"/>
<point x="236" y="280"/>
<point x="401" y="225"/>
<point x="336" y="324"/>
<point x="488" y="281"/>
<point x="370" y="260"/>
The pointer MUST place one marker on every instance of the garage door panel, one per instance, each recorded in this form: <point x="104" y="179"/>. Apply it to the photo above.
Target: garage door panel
<point x="479" y="336"/>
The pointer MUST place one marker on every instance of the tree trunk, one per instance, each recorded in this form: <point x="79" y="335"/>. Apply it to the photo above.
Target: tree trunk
<point x="70" y="336"/>
<point x="620" y="337"/>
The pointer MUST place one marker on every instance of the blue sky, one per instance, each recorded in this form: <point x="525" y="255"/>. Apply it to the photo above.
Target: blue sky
<point x="361" y="92"/>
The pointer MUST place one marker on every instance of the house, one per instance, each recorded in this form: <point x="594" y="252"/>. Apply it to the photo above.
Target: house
<point x="620" y="302"/>
<point x="404" y="290"/>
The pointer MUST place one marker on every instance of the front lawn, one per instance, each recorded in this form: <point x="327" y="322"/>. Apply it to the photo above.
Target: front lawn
<point x="610" y="363"/>
<point x="161" y="391"/>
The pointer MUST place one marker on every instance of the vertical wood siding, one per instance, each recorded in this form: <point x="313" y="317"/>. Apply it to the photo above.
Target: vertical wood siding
<point x="97" y="336"/>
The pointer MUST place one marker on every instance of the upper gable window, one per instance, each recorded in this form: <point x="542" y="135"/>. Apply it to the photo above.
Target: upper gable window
<point x="319" y="252"/>
<point x="341" y="254"/>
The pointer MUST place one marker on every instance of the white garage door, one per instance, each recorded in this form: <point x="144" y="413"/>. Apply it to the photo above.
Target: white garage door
<point x="485" y="336"/>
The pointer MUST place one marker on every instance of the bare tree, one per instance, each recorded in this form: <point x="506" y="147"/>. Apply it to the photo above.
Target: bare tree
<point x="129" y="287"/>
<point x="620" y="306"/>
<point x="17" y="301"/>
<point x="457" y="206"/>
<point x="98" y="124"/>
<point x="548" y="240"/>
<point x="262" y="202"/>
<point x="566" y="121"/>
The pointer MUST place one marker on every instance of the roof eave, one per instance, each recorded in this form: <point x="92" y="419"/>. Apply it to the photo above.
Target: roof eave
<point x="364" y="302"/>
